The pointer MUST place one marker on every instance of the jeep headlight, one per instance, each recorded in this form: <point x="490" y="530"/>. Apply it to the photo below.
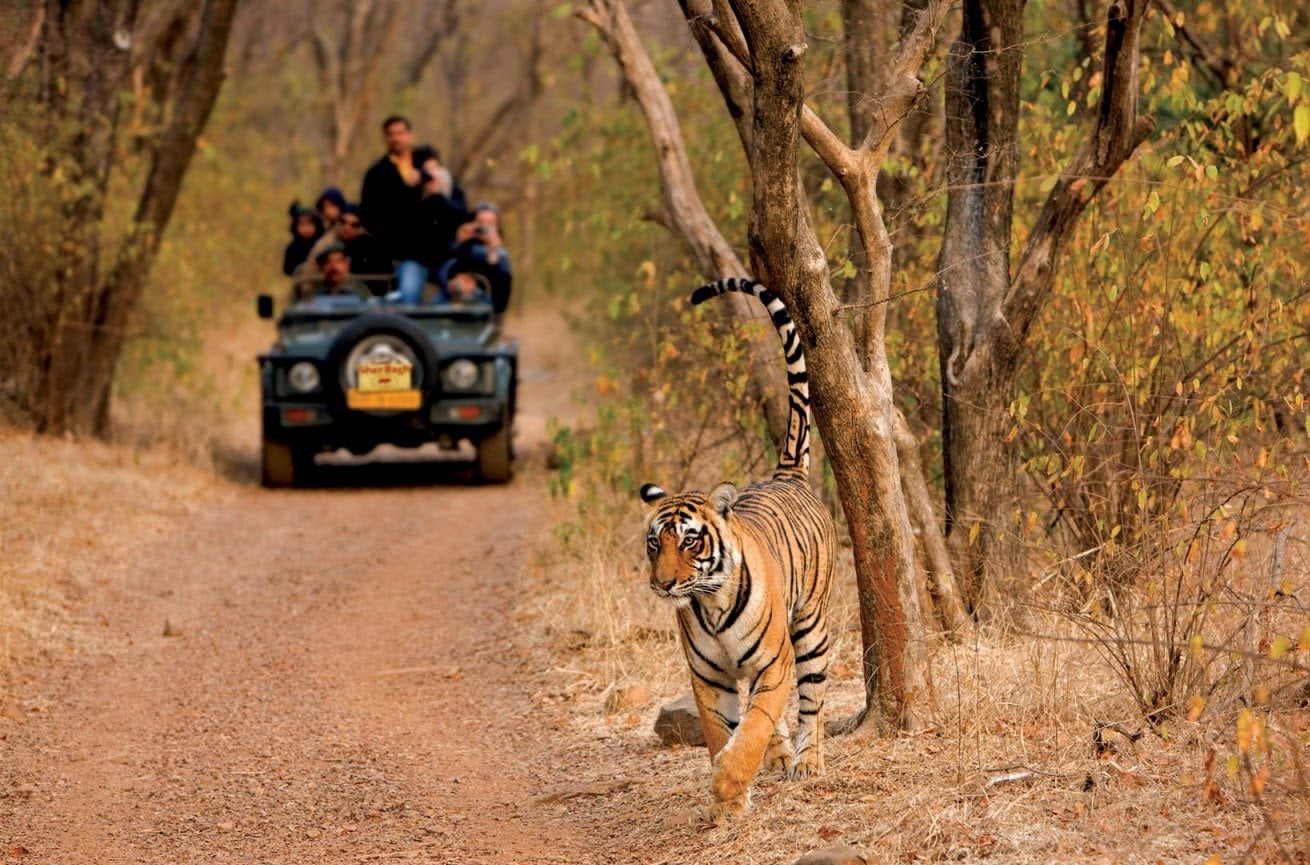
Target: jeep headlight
<point x="303" y="377"/>
<point x="461" y="375"/>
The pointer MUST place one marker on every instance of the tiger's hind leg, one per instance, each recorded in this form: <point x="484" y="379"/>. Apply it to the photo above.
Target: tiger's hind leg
<point x="810" y="641"/>
<point x="779" y="755"/>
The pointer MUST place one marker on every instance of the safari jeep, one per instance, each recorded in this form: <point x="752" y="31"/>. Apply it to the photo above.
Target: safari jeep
<point x="355" y="373"/>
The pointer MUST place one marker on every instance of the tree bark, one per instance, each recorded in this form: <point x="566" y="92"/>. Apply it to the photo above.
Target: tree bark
<point x="941" y="584"/>
<point x="984" y="314"/>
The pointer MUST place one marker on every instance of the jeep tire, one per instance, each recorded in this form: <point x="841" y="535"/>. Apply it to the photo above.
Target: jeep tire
<point x="284" y="465"/>
<point x="496" y="457"/>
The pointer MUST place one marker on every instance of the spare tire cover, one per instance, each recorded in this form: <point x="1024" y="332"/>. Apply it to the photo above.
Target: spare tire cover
<point x="377" y="334"/>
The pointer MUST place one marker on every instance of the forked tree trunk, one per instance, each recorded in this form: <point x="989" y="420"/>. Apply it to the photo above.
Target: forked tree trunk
<point x="985" y="312"/>
<point x="852" y="405"/>
<point x="87" y="42"/>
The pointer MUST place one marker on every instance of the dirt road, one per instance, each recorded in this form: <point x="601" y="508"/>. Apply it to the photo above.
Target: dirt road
<point x="330" y="675"/>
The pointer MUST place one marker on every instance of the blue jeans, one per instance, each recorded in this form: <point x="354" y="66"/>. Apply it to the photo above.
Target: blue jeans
<point x="411" y="277"/>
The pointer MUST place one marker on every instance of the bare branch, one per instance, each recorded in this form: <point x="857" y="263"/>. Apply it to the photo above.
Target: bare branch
<point x="442" y="23"/>
<point x="1218" y="67"/>
<point x="1118" y="132"/>
<point x="682" y="203"/>
<point x="730" y="72"/>
<point x="27" y="51"/>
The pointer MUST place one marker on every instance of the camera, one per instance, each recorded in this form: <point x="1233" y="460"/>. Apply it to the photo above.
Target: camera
<point x="481" y="230"/>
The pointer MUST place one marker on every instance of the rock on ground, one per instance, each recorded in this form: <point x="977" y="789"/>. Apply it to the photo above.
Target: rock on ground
<point x="838" y="855"/>
<point x="679" y="723"/>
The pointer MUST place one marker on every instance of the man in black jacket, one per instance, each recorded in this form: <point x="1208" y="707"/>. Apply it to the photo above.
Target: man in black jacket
<point x="389" y="204"/>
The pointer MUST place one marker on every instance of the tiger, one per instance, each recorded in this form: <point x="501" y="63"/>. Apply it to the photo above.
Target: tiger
<point x="748" y="573"/>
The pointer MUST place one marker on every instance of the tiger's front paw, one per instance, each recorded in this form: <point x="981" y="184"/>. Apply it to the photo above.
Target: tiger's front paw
<point x="808" y="764"/>
<point x="725" y="811"/>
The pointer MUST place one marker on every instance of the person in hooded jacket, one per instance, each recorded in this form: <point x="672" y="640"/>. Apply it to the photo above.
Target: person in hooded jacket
<point x="329" y="206"/>
<point x="306" y="229"/>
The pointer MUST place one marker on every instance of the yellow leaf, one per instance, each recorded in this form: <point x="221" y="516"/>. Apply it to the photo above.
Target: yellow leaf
<point x="1258" y="781"/>
<point x="1303" y="642"/>
<point x="974" y="531"/>
<point x="1195" y="707"/>
<point x="1279" y="647"/>
<point x="1245" y="727"/>
<point x="1301" y="122"/>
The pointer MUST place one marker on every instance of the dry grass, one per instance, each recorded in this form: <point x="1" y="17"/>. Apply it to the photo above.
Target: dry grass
<point x="70" y="513"/>
<point x="1009" y="773"/>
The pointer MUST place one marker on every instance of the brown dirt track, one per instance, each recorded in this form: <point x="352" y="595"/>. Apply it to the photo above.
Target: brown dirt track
<point x="324" y="675"/>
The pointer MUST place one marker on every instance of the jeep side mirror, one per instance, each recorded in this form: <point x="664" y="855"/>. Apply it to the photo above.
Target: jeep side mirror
<point x="264" y="306"/>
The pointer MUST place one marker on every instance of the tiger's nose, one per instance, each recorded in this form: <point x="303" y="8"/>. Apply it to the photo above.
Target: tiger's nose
<point x="661" y="585"/>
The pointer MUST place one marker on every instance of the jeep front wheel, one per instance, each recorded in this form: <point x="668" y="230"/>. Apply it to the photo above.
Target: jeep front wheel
<point x="495" y="458"/>
<point x="284" y="465"/>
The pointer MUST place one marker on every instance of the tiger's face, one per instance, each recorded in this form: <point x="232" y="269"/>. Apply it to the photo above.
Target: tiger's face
<point x="688" y="542"/>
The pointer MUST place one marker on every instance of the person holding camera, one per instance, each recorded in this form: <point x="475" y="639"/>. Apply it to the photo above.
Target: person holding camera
<point x="480" y="248"/>
<point x="442" y="210"/>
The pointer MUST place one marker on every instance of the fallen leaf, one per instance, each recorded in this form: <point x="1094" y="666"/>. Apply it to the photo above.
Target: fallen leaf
<point x="827" y="833"/>
<point x="1131" y="779"/>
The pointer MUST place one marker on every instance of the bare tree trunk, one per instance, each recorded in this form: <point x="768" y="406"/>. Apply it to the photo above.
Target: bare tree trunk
<point x="983" y="313"/>
<point x="941" y="585"/>
<point x="853" y="408"/>
<point x="81" y="46"/>
<point x="91" y="311"/>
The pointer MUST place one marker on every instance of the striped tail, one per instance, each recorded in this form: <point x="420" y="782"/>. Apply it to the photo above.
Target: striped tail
<point x="796" y="452"/>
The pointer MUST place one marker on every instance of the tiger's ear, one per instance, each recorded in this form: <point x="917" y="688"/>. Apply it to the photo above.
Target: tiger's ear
<point x="722" y="498"/>
<point x="650" y="494"/>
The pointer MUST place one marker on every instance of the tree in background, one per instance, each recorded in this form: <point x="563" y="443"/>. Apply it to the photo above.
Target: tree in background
<point x="986" y="307"/>
<point x="103" y="110"/>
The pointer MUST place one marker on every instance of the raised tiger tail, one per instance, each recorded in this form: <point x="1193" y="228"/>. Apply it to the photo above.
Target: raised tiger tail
<point x="796" y="452"/>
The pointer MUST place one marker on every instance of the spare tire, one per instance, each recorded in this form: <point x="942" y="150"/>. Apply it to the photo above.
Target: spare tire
<point x="394" y="327"/>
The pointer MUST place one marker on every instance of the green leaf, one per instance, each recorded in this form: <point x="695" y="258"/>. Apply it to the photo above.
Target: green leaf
<point x="1279" y="647"/>
<point x="1293" y="87"/>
